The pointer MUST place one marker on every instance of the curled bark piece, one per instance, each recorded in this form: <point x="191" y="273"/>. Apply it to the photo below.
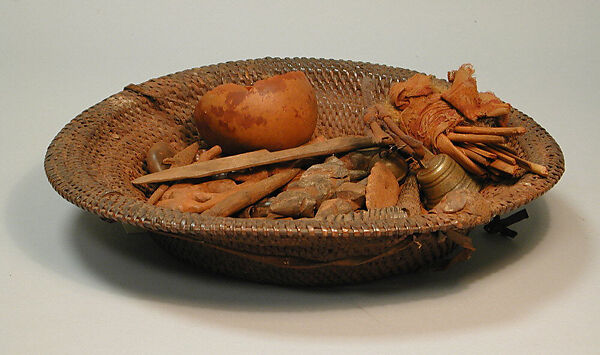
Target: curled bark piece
<point x="184" y="157"/>
<point x="408" y="198"/>
<point x="362" y="159"/>
<point x="154" y="163"/>
<point x="382" y="188"/>
<point x="393" y="161"/>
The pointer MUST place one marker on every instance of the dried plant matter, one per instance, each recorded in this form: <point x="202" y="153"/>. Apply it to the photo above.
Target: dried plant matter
<point x="251" y="193"/>
<point x="382" y="187"/>
<point x="335" y="206"/>
<point x="463" y="95"/>
<point x="187" y="197"/>
<point x="448" y="120"/>
<point x="317" y="184"/>
<point x="409" y="197"/>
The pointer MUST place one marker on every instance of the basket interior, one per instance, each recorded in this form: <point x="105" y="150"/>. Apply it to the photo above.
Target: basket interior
<point x="92" y="161"/>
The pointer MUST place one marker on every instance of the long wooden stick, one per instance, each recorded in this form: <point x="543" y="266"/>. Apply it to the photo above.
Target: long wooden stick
<point x="403" y="146"/>
<point x="530" y="166"/>
<point x="257" y="158"/>
<point x="474" y="156"/>
<point x="480" y="151"/>
<point x="250" y="194"/>
<point x="475" y="138"/>
<point x="504" y="147"/>
<point x="501" y="155"/>
<point x="445" y="146"/>
<point x="415" y="144"/>
<point x="498" y="131"/>
<point x="504" y="167"/>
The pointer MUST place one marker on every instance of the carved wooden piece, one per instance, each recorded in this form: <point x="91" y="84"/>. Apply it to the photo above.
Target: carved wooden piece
<point x="257" y="158"/>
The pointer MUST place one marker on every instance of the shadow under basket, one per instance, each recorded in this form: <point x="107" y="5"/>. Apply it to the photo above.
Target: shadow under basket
<point x="94" y="158"/>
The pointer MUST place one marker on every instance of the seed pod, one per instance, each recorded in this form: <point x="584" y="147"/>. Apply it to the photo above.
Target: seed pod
<point x="155" y="156"/>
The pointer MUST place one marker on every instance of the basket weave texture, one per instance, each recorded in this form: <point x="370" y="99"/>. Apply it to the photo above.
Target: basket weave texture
<point x="94" y="158"/>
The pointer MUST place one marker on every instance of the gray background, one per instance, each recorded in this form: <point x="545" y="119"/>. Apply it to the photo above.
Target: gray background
<point x="73" y="284"/>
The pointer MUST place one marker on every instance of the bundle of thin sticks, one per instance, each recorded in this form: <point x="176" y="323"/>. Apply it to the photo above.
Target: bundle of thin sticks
<point x="485" y="146"/>
<point x="447" y="120"/>
<point x="384" y="129"/>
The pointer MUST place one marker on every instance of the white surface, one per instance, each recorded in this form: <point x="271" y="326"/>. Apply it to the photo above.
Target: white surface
<point x="73" y="284"/>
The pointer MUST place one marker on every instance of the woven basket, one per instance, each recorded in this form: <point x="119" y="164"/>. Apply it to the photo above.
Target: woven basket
<point x="93" y="159"/>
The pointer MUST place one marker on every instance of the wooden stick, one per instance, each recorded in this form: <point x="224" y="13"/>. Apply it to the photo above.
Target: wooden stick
<point x="210" y="154"/>
<point x="480" y="151"/>
<point x="258" y="158"/>
<point x="475" y="138"/>
<point x="504" y="147"/>
<point x="497" y="131"/>
<point x="530" y="166"/>
<point x="378" y="134"/>
<point x="445" y="146"/>
<point x="403" y="146"/>
<point x="415" y="144"/>
<point x="474" y="156"/>
<point x="157" y="194"/>
<point x="250" y="194"/>
<point x="500" y="154"/>
<point x="504" y="167"/>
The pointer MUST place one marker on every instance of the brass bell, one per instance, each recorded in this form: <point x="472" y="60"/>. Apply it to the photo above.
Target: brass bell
<point x="441" y="175"/>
